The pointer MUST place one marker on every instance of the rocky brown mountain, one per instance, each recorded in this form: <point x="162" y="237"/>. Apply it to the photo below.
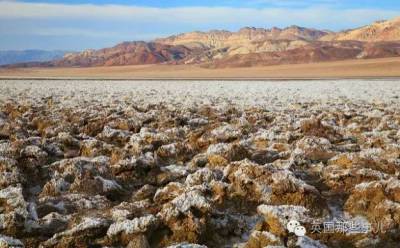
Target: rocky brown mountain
<point x="378" y="31"/>
<point x="127" y="53"/>
<point x="245" y="38"/>
<point x="312" y="53"/>
<point x="247" y="47"/>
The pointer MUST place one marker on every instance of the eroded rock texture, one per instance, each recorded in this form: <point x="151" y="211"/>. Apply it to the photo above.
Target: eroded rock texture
<point x="136" y="165"/>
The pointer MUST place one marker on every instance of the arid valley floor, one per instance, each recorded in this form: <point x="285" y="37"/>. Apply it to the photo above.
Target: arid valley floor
<point x="199" y="164"/>
<point x="359" y="68"/>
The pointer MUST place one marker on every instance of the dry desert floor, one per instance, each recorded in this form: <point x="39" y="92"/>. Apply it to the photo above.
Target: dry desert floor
<point x="369" y="68"/>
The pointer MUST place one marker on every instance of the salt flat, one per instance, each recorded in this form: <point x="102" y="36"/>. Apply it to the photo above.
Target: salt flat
<point x="241" y="93"/>
<point x="210" y="163"/>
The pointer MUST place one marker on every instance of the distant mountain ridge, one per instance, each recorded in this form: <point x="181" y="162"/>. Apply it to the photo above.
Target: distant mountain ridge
<point x="14" y="56"/>
<point x="246" y="47"/>
<point x="378" y="31"/>
<point x="219" y="39"/>
<point x="126" y="53"/>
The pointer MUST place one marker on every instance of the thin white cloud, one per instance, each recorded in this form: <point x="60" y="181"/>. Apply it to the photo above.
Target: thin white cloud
<point x="56" y="31"/>
<point x="295" y="3"/>
<point x="313" y="16"/>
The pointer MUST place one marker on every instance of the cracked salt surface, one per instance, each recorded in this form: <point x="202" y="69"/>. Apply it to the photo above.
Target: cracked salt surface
<point x="189" y="163"/>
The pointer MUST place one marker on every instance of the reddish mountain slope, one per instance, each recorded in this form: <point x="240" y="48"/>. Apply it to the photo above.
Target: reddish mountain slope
<point x="247" y="47"/>
<point x="127" y="53"/>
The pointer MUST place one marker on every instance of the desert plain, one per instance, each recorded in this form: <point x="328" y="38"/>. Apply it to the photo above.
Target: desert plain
<point x="360" y="68"/>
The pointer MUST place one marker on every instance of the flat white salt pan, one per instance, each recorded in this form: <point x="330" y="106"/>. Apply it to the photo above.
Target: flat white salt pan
<point x="271" y="94"/>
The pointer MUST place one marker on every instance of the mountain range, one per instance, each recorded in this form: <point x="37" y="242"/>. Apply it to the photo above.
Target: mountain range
<point x="13" y="56"/>
<point x="246" y="47"/>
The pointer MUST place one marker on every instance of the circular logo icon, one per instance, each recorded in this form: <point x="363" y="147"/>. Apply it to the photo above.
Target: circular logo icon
<point x="300" y="231"/>
<point x="291" y="225"/>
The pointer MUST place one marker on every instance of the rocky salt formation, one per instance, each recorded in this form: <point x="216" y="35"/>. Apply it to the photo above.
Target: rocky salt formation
<point x="198" y="165"/>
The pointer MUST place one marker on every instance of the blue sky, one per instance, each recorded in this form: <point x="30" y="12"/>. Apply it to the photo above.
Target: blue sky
<point x="78" y="25"/>
<point x="385" y="4"/>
